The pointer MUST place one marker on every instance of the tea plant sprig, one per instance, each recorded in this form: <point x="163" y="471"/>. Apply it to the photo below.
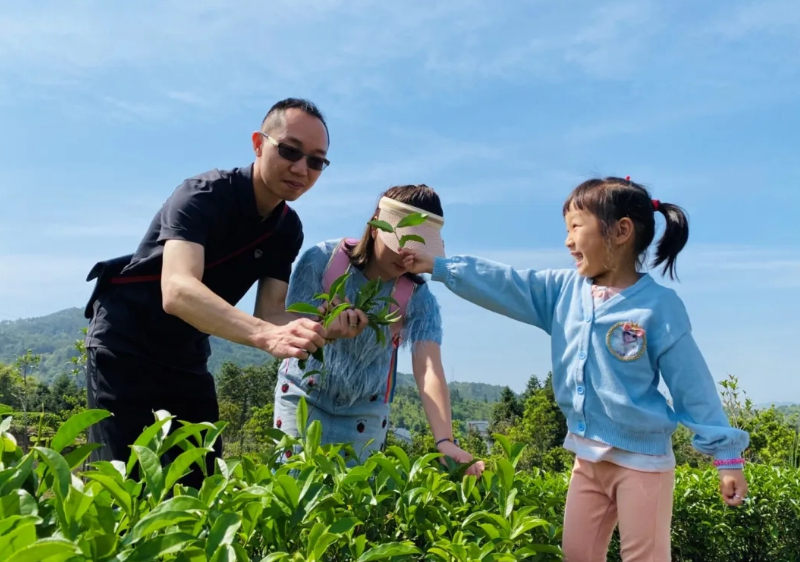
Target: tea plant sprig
<point x="412" y="219"/>
<point x="334" y="301"/>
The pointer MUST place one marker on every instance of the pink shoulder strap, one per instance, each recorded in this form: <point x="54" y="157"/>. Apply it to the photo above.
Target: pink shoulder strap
<point x="338" y="265"/>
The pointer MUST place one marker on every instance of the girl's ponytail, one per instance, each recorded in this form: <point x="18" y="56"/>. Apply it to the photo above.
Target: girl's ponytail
<point x="674" y="238"/>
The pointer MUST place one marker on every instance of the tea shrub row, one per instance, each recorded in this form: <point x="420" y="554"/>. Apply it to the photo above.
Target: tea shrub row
<point x="310" y="506"/>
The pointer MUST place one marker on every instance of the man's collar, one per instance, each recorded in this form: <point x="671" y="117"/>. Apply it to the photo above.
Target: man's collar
<point x="247" y="194"/>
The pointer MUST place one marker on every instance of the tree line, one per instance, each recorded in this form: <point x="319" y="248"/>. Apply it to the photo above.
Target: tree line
<point x="246" y="395"/>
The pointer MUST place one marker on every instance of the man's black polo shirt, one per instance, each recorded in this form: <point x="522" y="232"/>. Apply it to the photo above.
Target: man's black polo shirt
<point x="218" y="210"/>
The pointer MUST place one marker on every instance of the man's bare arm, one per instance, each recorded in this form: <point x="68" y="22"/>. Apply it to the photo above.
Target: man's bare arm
<point x="271" y="306"/>
<point x="271" y="302"/>
<point x="185" y="295"/>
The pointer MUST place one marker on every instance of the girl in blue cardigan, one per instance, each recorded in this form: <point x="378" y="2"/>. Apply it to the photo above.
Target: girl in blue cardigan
<point x="613" y="331"/>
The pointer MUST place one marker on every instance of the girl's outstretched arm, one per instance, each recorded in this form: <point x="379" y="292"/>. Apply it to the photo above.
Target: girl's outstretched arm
<point x="527" y="295"/>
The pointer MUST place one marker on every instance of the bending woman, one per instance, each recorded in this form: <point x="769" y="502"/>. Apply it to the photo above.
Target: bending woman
<point x="353" y="399"/>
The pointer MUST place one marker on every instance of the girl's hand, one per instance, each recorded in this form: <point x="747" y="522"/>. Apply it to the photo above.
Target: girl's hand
<point x="415" y="262"/>
<point x="461" y="456"/>
<point x="732" y="486"/>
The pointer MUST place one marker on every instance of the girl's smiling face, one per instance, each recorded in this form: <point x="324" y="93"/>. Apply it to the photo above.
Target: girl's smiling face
<point x="586" y="243"/>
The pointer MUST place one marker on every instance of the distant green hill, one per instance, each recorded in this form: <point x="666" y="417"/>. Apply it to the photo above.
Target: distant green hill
<point x="477" y="391"/>
<point x="53" y="336"/>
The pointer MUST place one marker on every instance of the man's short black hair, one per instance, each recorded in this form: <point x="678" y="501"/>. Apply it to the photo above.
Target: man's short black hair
<point x="307" y="106"/>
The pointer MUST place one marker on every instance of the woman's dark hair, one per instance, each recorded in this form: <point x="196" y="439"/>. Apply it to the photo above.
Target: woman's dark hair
<point x="420" y="196"/>
<point x="611" y="199"/>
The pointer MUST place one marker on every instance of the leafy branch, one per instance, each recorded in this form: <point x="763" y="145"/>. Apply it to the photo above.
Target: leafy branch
<point x="367" y="299"/>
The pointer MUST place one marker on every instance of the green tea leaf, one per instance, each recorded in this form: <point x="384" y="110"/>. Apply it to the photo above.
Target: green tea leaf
<point x="421" y="462"/>
<point x="506" y="473"/>
<point x="381" y="225"/>
<point x="401" y="455"/>
<point x="14" y="477"/>
<point x="304" y="308"/>
<point x="388" y="550"/>
<point x="58" y="468"/>
<point x="410" y="238"/>
<point x="151" y="467"/>
<point x="276" y="557"/>
<point x="5" y="425"/>
<point x="156" y="521"/>
<point x="290" y="489"/>
<point x="211" y="488"/>
<point x="182" y="464"/>
<point x="182" y="434"/>
<point x="223" y="532"/>
<point x="192" y="554"/>
<point x="153" y="433"/>
<point x="313" y="437"/>
<point x="412" y="219"/>
<point x="526" y="525"/>
<point x="504" y="442"/>
<point x="161" y="545"/>
<point x="338" y="287"/>
<point x="213" y="434"/>
<point x="225" y="553"/>
<point x="344" y="525"/>
<point x="335" y="313"/>
<point x="46" y="550"/>
<point x="78" y="455"/>
<point x="114" y="488"/>
<point x="391" y="470"/>
<point x="302" y="416"/>
<point x="390" y="300"/>
<point x="74" y="426"/>
<point x="16" y="533"/>
<point x="250" y="518"/>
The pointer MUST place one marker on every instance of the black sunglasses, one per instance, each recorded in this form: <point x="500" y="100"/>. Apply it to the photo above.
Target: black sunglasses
<point x="293" y="154"/>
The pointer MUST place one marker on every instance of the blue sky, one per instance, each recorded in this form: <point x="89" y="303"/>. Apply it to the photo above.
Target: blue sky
<point x="502" y="107"/>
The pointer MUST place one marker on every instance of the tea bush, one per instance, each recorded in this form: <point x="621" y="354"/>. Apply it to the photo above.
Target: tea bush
<point x="306" y="506"/>
<point x="310" y="506"/>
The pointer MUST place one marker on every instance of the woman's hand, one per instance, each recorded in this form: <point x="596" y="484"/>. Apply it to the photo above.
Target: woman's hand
<point x="459" y="455"/>
<point x="348" y="324"/>
<point x="732" y="486"/>
<point x="415" y="262"/>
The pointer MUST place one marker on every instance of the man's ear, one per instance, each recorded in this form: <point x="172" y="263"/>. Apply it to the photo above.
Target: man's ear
<point x="258" y="142"/>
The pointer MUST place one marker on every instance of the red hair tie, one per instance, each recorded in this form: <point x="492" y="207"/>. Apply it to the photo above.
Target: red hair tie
<point x="656" y="202"/>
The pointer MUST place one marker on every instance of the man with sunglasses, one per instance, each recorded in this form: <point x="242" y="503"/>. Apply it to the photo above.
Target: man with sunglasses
<point x="216" y="236"/>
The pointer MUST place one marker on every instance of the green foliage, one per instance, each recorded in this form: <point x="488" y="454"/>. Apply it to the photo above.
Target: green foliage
<point x="246" y="398"/>
<point x="506" y="413"/>
<point x="307" y="507"/>
<point x="311" y="507"/>
<point x="407" y="411"/>
<point x="53" y="338"/>
<point x="542" y="428"/>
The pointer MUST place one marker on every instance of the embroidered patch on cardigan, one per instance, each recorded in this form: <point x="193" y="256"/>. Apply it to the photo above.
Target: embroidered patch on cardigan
<point x="626" y="341"/>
